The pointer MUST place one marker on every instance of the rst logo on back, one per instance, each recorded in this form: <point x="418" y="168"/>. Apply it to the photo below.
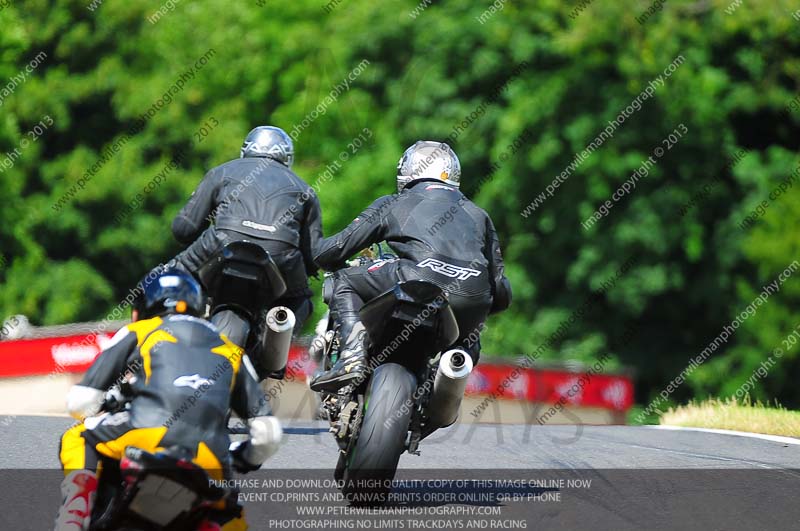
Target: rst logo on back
<point x="448" y="270"/>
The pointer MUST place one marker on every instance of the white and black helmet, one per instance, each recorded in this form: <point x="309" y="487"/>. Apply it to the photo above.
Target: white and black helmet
<point x="427" y="159"/>
<point x="271" y="142"/>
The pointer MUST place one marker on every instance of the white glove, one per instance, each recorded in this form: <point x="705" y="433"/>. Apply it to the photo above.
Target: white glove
<point x="265" y="439"/>
<point x="84" y="401"/>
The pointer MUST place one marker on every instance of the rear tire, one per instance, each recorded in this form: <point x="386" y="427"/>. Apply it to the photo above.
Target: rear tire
<point x="235" y="327"/>
<point x="372" y="463"/>
<point x="341" y="465"/>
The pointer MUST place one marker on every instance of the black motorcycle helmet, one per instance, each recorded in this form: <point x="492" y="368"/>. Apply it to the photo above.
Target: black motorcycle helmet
<point x="170" y="291"/>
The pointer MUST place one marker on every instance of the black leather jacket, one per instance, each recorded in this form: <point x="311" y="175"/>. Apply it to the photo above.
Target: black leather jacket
<point x="451" y="240"/>
<point x="265" y="201"/>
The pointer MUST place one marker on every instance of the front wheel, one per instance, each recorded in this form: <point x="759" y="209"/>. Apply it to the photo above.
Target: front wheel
<point x="372" y="462"/>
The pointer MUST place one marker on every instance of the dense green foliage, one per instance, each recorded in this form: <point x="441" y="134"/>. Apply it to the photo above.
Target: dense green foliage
<point x="538" y="67"/>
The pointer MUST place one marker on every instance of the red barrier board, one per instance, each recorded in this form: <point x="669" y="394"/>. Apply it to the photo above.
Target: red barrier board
<point x="535" y="385"/>
<point x="74" y="354"/>
<point x="551" y="386"/>
<point x="28" y="357"/>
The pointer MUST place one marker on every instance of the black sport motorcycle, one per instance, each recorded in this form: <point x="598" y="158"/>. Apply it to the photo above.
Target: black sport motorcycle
<point x="241" y="279"/>
<point x="411" y="387"/>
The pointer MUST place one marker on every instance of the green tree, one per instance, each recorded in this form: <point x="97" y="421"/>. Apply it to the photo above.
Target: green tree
<point x="534" y="74"/>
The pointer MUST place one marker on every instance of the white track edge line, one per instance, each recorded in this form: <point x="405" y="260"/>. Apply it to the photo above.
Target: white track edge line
<point x="773" y="438"/>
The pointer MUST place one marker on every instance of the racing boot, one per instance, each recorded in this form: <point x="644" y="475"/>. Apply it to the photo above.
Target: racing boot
<point x="79" y="489"/>
<point x="349" y="368"/>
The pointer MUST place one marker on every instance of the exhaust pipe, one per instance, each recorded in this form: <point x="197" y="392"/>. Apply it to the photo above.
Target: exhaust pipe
<point x="448" y="388"/>
<point x="278" y="339"/>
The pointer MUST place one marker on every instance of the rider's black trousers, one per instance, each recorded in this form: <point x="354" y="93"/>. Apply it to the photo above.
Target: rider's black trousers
<point x="355" y="286"/>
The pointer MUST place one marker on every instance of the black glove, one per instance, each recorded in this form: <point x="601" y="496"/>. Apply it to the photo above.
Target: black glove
<point x="240" y="464"/>
<point x="502" y="297"/>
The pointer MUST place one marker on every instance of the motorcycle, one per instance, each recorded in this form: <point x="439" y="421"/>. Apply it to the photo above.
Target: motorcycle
<point x="241" y="279"/>
<point x="166" y="490"/>
<point x="158" y="491"/>
<point x="412" y="386"/>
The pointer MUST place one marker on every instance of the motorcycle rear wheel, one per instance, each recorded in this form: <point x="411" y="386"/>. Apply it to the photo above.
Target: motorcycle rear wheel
<point x="372" y="463"/>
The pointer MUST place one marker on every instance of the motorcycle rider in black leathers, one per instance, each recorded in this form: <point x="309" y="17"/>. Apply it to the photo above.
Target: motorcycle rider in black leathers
<point x="184" y="379"/>
<point x="258" y="198"/>
<point x="439" y="236"/>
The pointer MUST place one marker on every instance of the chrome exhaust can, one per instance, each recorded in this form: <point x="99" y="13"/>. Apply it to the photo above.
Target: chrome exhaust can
<point x="448" y="388"/>
<point x="278" y="339"/>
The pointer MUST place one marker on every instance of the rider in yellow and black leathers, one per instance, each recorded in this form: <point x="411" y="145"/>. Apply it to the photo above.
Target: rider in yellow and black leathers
<point x="184" y="377"/>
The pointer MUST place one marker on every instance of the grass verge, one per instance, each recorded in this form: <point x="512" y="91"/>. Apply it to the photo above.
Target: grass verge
<point x="733" y="415"/>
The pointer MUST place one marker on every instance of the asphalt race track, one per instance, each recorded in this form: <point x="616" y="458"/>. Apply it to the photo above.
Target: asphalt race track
<point x="32" y="442"/>
<point x="621" y="478"/>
